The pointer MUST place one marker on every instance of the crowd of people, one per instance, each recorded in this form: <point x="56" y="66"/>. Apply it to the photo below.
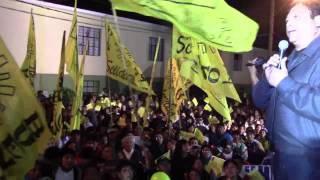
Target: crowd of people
<point x="120" y="139"/>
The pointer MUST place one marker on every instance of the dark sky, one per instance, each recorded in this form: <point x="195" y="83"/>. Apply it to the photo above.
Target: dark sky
<point x="258" y="10"/>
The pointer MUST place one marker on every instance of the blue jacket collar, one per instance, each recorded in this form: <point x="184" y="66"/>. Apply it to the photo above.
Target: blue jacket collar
<point x="312" y="48"/>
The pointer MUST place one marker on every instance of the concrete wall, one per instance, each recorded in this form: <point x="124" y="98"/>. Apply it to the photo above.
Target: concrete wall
<point x="49" y="27"/>
<point x="242" y="77"/>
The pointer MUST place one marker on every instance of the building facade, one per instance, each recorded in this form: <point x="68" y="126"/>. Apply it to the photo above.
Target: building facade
<point x="51" y="20"/>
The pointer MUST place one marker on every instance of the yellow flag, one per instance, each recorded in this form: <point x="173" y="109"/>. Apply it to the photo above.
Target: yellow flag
<point x="23" y="128"/>
<point x="209" y="60"/>
<point x="113" y="103"/>
<point x="211" y="21"/>
<point x="105" y="102"/>
<point x="175" y="90"/>
<point x="256" y="175"/>
<point x="206" y="100"/>
<point x="195" y="101"/>
<point x="127" y="72"/>
<point x="29" y="65"/>
<point x="77" y="102"/>
<point x="72" y="48"/>
<point x="204" y="70"/>
<point x="90" y="106"/>
<point x="216" y="73"/>
<point x="133" y="117"/>
<point x="56" y="124"/>
<point x="199" y="135"/>
<point x="213" y="120"/>
<point x="186" y="135"/>
<point x="166" y="155"/>
<point x="141" y="111"/>
<point x="207" y="107"/>
<point x="97" y="107"/>
<point x="216" y="165"/>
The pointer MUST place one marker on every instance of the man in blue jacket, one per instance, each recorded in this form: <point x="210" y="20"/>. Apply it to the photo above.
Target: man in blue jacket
<point x="291" y="97"/>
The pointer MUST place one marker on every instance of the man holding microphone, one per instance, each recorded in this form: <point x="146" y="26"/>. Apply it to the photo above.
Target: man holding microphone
<point x="289" y="92"/>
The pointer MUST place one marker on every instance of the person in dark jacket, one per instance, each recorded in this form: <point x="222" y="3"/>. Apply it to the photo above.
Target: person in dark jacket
<point x="290" y="94"/>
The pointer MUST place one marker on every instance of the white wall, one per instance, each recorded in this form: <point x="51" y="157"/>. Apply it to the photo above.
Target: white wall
<point x="49" y="27"/>
<point x="242" y="77"/>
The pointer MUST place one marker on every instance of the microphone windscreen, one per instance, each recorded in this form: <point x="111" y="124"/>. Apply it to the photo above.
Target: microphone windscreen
<point x="283" y="45"/>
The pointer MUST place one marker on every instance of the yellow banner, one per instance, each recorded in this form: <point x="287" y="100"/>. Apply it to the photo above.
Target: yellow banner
<point x="23" y="128"/>
<point x="216" y="165"/>
<point x="203" y="66"/>
<point x="186" y="135"/>
<point x="77" y="102"/>
<point x="127" y="72"/>
<point x="195" y="101"/>
<point x="199" y="135"/>
<point x="207" y="107"/>
<point x="56" y="124"/>
<point x="72" y="48"/>
<point x="211" y="21"/>
<point x="175" y="89"/>
<point x="209" y="61"/>
<point x="29" y="65"/>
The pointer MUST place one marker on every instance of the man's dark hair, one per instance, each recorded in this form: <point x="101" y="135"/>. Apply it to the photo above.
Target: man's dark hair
<point x="231" y="161"/>
<point x="65" y="151"/>
<point x="313" y="5"/>
<point x="124" y="163"/>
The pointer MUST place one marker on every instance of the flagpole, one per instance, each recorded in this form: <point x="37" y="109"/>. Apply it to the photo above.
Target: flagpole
<point x="271" y="27"/>
<point x="121" y="50"/>
<point x="145" y="122"/>
<point x="121" y="45"/>
<point x="170" y="96"/>
<point x="108" y="79"/>
<point x="109" y="93"/>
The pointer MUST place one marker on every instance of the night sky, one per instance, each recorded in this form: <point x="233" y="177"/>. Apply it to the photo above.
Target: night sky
<point x="258" y="10"/>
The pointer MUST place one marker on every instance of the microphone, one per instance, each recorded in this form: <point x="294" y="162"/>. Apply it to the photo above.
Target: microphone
<point x="283" y="46"/>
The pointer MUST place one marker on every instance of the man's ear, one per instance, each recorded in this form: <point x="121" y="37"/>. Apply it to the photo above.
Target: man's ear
<point x="317" y="21"/>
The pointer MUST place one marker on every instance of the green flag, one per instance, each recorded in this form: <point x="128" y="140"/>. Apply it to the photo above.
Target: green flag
<point x="29" y="65"/>
<point x="72" y="49"/>
<point x="213" y="22"/>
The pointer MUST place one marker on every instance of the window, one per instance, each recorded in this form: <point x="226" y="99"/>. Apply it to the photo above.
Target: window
<point x="237" y="62"/>
<point x="94" y="36"/>
<point x="91" y="86"/>
<point x="152" y="48"/>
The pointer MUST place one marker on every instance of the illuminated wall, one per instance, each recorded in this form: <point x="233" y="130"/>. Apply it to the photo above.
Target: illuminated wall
<point x="49" y="27"/>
